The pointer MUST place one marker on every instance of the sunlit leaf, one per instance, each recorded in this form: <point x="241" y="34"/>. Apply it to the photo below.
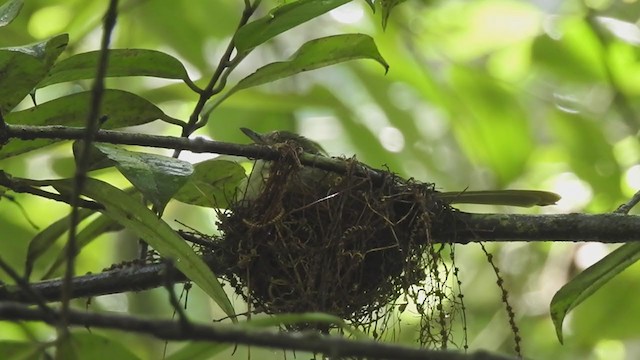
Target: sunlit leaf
<point x="281" y="19"/>
<point x="313" y="55"/>
<point x="86" y="345"/>
<point x="212" y="184"/>
<point x="23" y="67"/>
<point x="43" y="241"/>
<point x="9" y="11"/>
<point x="157" y="177"/>
<point x="130" y="213"/>
<point x="589" y="281"/>
<point x="21" y="350"/>
<point x="122" y="62"/>
<point x="100" y="225"/>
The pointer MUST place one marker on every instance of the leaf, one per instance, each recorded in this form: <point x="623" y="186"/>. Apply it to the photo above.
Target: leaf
<point x="313" y="55"/>
<point x="23" y="67"/>
<point x="9" y="11"/>
<point x="121" y="108"/>
<point x="122" y="62"/>
<point x="102" y="224"/>
<point x="281" y="19"/>
<point x="157" y="177"/>
<point x="387" y="6"/>
<point x="43" y="240"/>
<point x="213" y="184"/>
<point x="589" y="281"/>
<point x="93" y="346"/>
<point x="131" y="214"/>
<point x="17" y="350"/>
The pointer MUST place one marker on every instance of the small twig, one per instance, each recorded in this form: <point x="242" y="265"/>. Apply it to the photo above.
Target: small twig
<point x="19" y="186"/>
<point x="170" y="275"/>
<point x="215" y="85"/>
<point x="626" y="207"/>
<point x="25" y="286"/>
<point x="82" y="165"/>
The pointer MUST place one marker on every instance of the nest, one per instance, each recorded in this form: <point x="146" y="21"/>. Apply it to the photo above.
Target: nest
<point x="343" y="244"/>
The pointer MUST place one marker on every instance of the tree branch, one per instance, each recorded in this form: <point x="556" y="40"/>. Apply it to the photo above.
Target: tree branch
<point x="332" y="346"/>
<point x="607" y="228"/>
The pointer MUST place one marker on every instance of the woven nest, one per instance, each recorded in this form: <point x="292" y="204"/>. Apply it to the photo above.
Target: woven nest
<point x="342" y="244"/>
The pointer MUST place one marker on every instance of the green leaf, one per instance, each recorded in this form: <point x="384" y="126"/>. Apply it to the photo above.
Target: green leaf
<point x="121" y="108"/>
<point x="102" y="224"/>
<point x="47" y="237"/>
<point x="213" y="184"/>
<point x="281" y="19"/>
<point x="387" y="6"/>
<point x="157" y="177"/>
<point x="93" y="346"/>
<point x="131" y="214"/>
<point x="589" y="281"/>
<point x="16" y="350"/>
<point x="122" y="62"/>
<point x="313" y="55"/>
<point x="23" y="67"/>
<point x="9" y="11"/>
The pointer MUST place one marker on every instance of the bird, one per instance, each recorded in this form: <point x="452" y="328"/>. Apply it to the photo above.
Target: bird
<point x="254" y="183"/>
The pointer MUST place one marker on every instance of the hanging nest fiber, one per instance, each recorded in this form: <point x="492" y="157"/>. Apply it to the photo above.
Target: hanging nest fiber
<point x="343" y="244"/>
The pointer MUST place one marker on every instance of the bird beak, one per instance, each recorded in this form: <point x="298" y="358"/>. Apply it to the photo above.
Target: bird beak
<point x="257" y="138"/>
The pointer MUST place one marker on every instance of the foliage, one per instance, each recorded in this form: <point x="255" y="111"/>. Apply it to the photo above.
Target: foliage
<point x="486" y="94"/>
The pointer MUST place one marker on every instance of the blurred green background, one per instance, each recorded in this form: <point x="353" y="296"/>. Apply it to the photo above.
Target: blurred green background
<point x="485" y="94"/>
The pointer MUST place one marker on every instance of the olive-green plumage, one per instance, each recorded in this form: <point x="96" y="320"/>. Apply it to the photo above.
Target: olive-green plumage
<point x="255" y="182"/>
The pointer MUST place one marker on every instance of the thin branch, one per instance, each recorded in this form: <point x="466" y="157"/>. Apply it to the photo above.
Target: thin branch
<point x="19" y="186"/>
<point x="224" y="68"/>
<point x="82" y="164"/>
<point x="197" y="145"/>
<point x="24" y="285"/>
<point x="332" y="346"/>
<point x="626" y="207"/>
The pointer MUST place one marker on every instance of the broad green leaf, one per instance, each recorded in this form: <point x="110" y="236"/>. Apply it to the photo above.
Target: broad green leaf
<point x="589" y="281"/>
<point x="9" y="11"/>
<point x="130" y="213"/>
<point x="121" y="108"/>
<point x="313" y="55"/>
<point x="281" y="19"/>
<point x="122" y="62"/>
<point x="17" y="350"/>
<point x="23" y="67"/>
<point x="100" y="225"/>
<point x="47" y="237"/>
<point x="212" y="184"/>
<point x="86" y="345"/>
<point x="157" y="177"/>
<point x="387" y="6"/>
